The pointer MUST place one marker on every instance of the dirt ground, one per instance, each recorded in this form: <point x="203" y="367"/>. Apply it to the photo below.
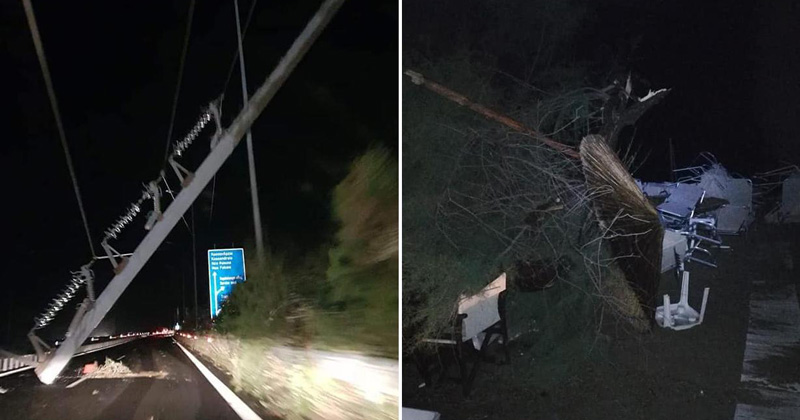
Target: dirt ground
<point x="661" y="375"/>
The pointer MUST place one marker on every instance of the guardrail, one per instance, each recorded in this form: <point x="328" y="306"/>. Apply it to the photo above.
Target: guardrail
<point x="11" y="365"/>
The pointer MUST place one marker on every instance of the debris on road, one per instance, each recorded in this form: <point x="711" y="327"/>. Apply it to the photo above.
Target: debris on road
<point x="95" y="392"/>
<point x="89" y="368"/>
<point x="3" y="390"/>
<point x="113" y="369"/>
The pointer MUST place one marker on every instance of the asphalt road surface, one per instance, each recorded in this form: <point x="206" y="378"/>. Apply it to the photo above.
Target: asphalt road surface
<point x="183" y="393"/>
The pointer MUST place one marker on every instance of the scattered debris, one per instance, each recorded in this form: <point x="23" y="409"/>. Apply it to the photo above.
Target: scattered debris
<point x="114" y="369"/>
<point x="111" y="368"/>
<point x="89" y="368"/>
<point x="737" y="212"/>
<point x="681" y="316"/>
<point x="95" y="392"/>
<point x="787" y="210"/>
<point x="673" y="250"/>
<point x="3" y="390"/>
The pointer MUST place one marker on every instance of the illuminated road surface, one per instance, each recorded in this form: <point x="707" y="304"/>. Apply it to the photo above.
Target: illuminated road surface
<point x="183" y="394"/>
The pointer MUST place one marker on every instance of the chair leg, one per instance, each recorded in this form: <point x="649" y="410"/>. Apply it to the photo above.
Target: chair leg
<point x="422" y="366"/>
<point x="466" y="380"/>
<point x="444" y="363"/>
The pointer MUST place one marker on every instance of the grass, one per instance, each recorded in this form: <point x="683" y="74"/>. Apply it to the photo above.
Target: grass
<point x="295" y="384"/>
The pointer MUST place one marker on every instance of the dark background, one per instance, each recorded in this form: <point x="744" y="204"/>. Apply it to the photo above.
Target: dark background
<point x="114" y="66"/>
<point x="733" y="67"/>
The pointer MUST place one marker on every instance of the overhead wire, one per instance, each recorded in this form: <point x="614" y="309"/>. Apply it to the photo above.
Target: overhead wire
<point x="236" y="54"/>
<point x="225" y="88"/>
<point x="180" y="79"/>
<point x="37" y="42"/>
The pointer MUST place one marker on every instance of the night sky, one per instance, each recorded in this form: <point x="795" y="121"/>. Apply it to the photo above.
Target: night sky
<point x="732" y="67"/>
<point x="115" y="69"/>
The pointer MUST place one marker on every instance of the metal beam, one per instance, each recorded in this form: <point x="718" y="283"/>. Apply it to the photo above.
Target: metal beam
<point x="48" y="370"/>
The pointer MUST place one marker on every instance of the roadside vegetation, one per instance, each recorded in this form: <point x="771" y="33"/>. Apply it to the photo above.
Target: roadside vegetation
<point x="342" y="296"/>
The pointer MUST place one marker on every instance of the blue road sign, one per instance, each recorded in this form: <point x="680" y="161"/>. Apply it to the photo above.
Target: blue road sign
<point x="225" y="269"/>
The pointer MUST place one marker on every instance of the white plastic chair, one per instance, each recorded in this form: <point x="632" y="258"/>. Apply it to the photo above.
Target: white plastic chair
<point x="681" y="316"/>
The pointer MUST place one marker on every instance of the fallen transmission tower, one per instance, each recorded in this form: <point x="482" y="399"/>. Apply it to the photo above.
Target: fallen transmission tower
<point x="94" y="310"/>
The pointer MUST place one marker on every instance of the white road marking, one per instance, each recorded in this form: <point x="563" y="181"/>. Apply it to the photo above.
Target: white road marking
<point x="244" y="412"/>
<point x="77" y="382"/>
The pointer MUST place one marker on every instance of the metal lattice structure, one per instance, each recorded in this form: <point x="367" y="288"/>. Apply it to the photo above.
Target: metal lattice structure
<point x="92" y="311"/>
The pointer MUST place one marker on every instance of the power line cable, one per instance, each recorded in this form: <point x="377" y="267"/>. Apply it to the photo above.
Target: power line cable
<point x="180" y="79"/>
<point x="225" y="88"/>
<point x="236" y="55"/>
<point x="37" y="43"/>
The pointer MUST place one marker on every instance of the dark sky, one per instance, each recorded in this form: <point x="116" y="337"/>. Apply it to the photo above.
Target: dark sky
<point x="734" y="71"/>
<point x="115" y="68"/>
<point x="733" y="67"/>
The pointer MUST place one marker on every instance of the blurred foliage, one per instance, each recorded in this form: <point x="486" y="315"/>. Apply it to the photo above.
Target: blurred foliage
<point x="362" y="297"/>
<point x="342" y="296"/>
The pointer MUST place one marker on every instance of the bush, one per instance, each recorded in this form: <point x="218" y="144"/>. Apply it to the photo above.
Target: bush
<point x="344" y="297"/>
<point x="361" y="299"/>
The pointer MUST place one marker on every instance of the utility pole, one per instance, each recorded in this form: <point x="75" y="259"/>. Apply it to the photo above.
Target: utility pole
<point x="183" y="294"/>
<point x="250" y="158"/>
<point x="194" y="272"/>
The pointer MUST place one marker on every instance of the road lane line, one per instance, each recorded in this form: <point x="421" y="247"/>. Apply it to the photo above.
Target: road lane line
<point x="77" y="382"/>
<point x="244" y="412"/>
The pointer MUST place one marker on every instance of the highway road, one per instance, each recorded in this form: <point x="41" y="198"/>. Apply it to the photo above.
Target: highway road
<point x="175" y="390"/>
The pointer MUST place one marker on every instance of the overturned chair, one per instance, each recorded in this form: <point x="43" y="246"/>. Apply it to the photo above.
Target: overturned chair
<point x="480" y="320"/>
<point x="685" y="212"/>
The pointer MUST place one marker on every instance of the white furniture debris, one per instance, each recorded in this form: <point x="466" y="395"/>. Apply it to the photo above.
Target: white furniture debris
<point x="478" y="321"/>
<point x="482" y="311"/>
<point x="737" y="214"/>
<point x="656" y="189"/>
<point x="679" y="206"/>
<point x="673" y="248"/>
<point x="788" y="210"/>
<point x="790" y="197"/>
<point x="677" y="213"/>
<point x="414" y="414"/>
<point x="681" y="316"/>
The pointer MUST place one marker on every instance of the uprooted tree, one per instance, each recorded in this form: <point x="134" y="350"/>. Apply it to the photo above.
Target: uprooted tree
<point x="482" y="199"/>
